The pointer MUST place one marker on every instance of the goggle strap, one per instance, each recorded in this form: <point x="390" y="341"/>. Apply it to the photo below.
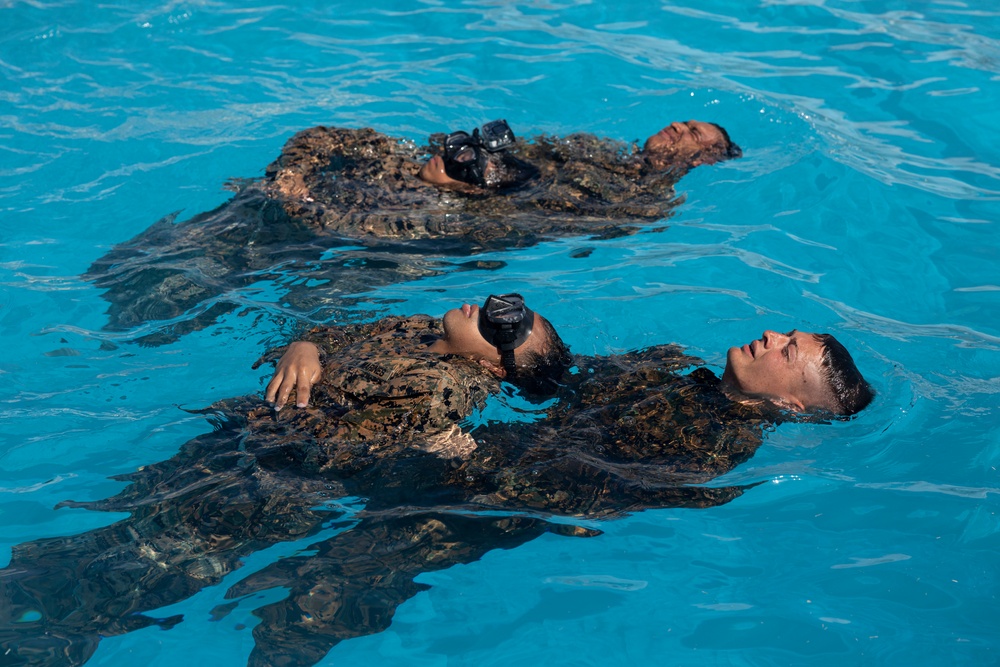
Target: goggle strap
<point x="507" y="361"/>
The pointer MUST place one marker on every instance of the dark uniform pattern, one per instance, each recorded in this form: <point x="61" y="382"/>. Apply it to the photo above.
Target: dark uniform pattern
<point x="361" y="183"/>
<point x="358" y="190"/>
<point x="625" y="433"/>
<point x="381" y="394"/>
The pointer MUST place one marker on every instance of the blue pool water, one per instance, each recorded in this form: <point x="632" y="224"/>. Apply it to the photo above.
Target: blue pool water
<point x="866" y="205"/>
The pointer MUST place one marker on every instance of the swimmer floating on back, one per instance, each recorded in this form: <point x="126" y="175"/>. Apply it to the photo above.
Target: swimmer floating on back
<point x="390" y="208"/>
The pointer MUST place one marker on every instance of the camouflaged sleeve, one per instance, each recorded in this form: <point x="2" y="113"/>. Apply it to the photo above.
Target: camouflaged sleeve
<point x="352" y="182"/>
<point x="333" y="339"/>
<point x="330" y="340"/>
<point x="381" y="393"/>
<point x="375" y="411"/>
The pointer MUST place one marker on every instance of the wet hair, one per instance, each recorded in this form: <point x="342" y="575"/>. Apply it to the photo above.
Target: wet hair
<point x="850" y="390"/>
<point x="539" y="372"/>
<point x="726" y="149"/>
<point x="731" y="150"/>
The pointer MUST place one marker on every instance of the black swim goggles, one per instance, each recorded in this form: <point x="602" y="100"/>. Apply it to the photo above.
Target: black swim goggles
<point x="505" y="322"/>
<point x="466" y="155"/>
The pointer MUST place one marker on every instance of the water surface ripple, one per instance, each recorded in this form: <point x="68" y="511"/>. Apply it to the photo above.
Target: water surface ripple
<point x="865" y="205"/>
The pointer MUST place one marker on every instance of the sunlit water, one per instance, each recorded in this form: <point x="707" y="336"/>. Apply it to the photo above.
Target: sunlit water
<point x="866" y="205"/>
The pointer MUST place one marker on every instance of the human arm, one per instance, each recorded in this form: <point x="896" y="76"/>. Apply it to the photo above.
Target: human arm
<point x="300" y="364"/>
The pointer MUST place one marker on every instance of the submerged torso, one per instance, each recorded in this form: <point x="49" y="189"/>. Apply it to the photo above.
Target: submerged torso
<point x="631" y="431"/>
<point x="624" y="432"/>
<point x="358" y="190"/>
<point x="362" y="183"/>
<point x="382" y="393"/>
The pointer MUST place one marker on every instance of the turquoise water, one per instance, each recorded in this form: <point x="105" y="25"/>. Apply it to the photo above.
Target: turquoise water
<point x="866" y="205"/>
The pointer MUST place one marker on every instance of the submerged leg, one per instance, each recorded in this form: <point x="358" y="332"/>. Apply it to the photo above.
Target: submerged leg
<point x="193" y="518"/>
<point x="357" y="579"/>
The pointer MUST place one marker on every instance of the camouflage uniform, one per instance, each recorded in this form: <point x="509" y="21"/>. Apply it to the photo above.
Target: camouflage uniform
<point x="261" y="478"/>
<point x="381" y="393"/>
<point x="342" y="187"/>
<point x="626" y="433"/>
<point x="361" y="183"/>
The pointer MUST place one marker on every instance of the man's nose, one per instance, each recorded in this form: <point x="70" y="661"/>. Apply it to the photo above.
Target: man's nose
<point x="772" y="338"/>
<point x="679" y="127"/>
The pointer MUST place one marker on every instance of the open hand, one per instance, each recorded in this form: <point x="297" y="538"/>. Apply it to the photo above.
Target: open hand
<point x="299" y="368"/>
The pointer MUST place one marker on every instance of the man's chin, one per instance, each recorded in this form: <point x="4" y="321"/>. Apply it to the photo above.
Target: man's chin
<point x="733" y="358"/>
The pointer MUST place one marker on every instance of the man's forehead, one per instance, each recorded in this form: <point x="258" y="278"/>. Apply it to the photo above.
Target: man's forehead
<point x="805" y="336"/>
<point x="810" y="344"/>
<point x="709" y="131"/>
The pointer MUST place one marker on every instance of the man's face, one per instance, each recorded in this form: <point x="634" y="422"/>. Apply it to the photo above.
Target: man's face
<point x="462" y="337"/>
<point x="433" y="172"/>
<point x="686" y="140"/>
<point x="785" y="369"/>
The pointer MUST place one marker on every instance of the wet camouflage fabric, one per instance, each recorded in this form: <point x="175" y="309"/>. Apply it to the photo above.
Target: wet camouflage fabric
<point x="353" y="582"/>
<point x="625" y="432"/>
<point x="381" y="392"/>
<point x="374" y="503"/>
<point x="344" y="207"/>
<point x="628" y="432"/>
<point x="362" y="183"/>
<point x="192" y="519"/>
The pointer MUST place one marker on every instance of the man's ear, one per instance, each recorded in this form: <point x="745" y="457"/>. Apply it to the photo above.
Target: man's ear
<point x="705" y="157"/>
<point x="496" y="369"/>
<point x="792" y="404"/>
